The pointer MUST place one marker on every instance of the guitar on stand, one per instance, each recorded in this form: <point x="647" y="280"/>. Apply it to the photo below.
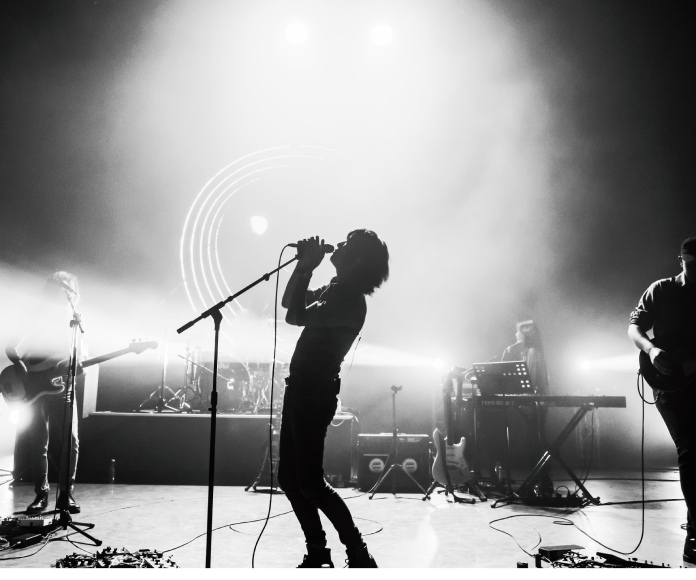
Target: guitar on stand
<point x="450" y="469"/>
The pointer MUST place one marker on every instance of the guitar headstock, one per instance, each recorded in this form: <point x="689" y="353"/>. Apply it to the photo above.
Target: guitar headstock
<point x="138" y="346"/>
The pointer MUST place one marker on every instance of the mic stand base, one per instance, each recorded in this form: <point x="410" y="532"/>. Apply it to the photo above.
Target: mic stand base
<point x="65" y="521"/>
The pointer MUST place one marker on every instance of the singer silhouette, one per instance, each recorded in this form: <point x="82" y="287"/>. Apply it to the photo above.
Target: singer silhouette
<point x="332" y="317"/>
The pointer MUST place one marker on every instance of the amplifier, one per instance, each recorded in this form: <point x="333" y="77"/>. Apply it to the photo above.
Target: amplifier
<point x="373" y="458"/>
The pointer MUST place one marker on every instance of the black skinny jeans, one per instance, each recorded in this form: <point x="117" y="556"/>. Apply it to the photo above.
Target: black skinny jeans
<point x="47" y="416"/>
<point x="308" y="408"/>
<point x="678" y="409"/>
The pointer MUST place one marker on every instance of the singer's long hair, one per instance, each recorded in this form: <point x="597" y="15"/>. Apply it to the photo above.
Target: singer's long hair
<point x="374" y="260"/>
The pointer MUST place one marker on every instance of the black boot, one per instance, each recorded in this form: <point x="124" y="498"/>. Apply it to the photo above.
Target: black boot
<point x="39" y="504"/>
<point x="359" y="557"/>
<point x="690" y="549"/>
<point x="67" y="502"/>
<point x="317" y="558"/>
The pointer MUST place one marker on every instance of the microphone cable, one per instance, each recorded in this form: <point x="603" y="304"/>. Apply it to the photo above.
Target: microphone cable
<point x="270" y="421"/>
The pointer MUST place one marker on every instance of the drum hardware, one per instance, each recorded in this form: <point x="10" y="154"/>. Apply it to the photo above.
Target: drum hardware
<point x="158" y="394"/>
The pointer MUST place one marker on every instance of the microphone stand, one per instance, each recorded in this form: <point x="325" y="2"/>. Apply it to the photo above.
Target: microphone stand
<point x="64" y="519"/>
<point x="215" y="312"/>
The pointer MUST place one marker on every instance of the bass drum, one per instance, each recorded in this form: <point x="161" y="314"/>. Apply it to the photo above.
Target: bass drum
<point x="257" y="397"/>
<point x="233" y="381"/>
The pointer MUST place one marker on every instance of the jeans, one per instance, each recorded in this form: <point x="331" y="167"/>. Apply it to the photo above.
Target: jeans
<point x="308" y="408"/>
<point x="47" y="415"/>
<point x="677" y="409"/>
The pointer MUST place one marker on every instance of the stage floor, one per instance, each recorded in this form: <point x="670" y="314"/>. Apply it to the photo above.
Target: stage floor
<point x="401" y="530"/>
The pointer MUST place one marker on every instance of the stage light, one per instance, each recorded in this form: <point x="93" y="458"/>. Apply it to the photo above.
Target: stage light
<point x="259" y="224"/>
<point x="14" y="417"/>
<point x="438" y="363"/>
<point x="382" y="35"/>
<point x="297" y="33"/>
<point x="585" y="365"/>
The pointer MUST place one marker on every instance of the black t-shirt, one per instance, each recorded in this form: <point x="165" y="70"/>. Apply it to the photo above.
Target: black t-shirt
<point x="322" y="346"/>
<point x="668" y="307"/>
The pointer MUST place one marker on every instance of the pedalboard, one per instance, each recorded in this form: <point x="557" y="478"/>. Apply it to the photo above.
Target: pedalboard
<point x="23" y="531"/>
<point x="567" y="556"/>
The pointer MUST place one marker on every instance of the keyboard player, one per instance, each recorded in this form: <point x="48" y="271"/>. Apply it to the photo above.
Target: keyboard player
<point x="529" y="348"/>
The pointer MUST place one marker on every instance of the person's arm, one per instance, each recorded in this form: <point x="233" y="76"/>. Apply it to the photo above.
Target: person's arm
<point x="16" y="359"/>
<point x="310" y="254"/>
<point x="642" y="320"/>
<point x="660" y="359"/>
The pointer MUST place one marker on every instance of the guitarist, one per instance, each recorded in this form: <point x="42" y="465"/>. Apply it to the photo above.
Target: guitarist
<point x="46" y="341"/>
<point x="668" y="307"/>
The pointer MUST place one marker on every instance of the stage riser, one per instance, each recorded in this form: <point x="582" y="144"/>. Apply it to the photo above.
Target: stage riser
<point x="174" y="449"/>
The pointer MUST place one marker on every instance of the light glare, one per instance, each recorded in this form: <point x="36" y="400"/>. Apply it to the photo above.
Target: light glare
<point x="382" y="35"/>
<point x="297" y="33"/>
<point x="259" y="224"/>
<point x="14" y="417"/>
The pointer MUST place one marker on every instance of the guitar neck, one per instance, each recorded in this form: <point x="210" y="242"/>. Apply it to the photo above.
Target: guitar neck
<point x="105" y="357"/>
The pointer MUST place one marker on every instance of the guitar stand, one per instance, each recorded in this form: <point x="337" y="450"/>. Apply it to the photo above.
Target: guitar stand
<point x="394" y="452"/>
<point x="264" y="475"/>
<point x="472" y="488"/>
<point x="455" y="498"/>
<point x="526" y="490"/>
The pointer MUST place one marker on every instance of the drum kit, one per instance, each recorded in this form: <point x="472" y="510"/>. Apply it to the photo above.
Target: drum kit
<point x="248" y="379"/>
<point x="244" y="387"/>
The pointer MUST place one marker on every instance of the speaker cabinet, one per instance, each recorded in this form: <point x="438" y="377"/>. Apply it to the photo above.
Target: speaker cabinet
<point x="373" y="459"/>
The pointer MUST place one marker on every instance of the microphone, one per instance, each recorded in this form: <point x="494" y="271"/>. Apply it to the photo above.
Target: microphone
<point x="68" y="288"/>
<point x="327" y="248"/>
<point x="509" y="348"/>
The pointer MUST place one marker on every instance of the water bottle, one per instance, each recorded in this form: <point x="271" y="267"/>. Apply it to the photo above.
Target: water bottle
<point x="112" y="471"/>
<point x="498" y="472"/>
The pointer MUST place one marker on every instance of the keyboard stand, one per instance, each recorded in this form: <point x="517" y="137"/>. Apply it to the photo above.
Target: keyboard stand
<point x="526" y="490"/>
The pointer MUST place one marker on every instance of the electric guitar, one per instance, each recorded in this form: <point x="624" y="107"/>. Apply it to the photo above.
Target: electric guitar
<point x="51" y="381"/>
<point x="684" y="372"/>
<point x="449" y="467"/>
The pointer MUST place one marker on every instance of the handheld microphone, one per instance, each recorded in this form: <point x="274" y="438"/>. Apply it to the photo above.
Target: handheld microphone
<point x="68" y="288"/>
<point x="327" y="248"/>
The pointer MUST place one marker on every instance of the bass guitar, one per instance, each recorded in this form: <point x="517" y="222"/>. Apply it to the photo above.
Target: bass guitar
<point x="51" y="381"/>
<point x="684" y="375"/>
<point x="450" y="469"/>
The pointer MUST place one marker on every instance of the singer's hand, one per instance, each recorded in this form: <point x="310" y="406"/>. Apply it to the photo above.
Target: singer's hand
<point x="310" y="253"/>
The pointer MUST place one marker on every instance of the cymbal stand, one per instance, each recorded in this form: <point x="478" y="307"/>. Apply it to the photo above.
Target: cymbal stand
<point x="158" y="393"/>
<point x="190" y="382"/>
<point x="215" y="312"/>
<point x="64" y="520"/>
<point x="195" y="383"/>
<point x="394" y="452"/>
